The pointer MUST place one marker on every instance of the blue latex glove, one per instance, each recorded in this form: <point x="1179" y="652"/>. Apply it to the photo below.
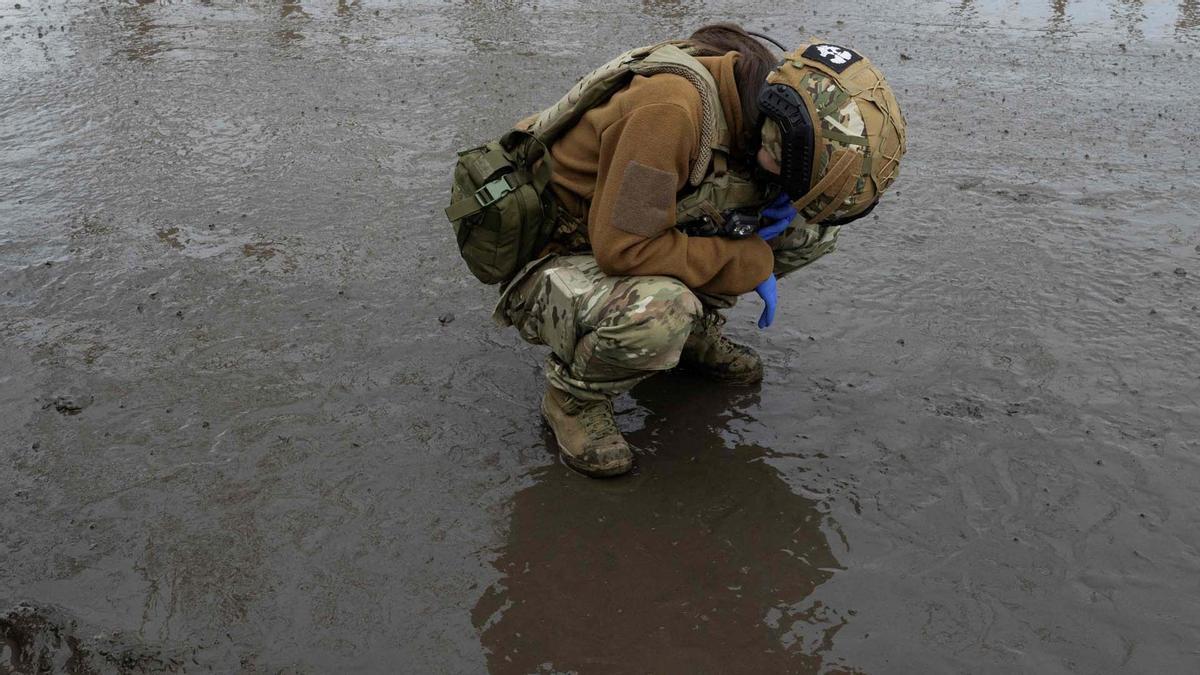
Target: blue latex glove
<point x="767" y="291"/>
<point x="779" y="215"/>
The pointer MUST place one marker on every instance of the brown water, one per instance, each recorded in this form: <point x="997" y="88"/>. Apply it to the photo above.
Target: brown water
<point x="236" y="436"/>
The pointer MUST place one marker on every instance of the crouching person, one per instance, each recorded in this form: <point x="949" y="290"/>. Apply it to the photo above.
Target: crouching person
<point x="667" y="183"/>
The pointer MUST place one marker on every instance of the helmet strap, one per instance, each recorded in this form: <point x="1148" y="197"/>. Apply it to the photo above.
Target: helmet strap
<point x="850" y="219"/>
<point x="842" y="172"/>
<point x="847" y="189"/>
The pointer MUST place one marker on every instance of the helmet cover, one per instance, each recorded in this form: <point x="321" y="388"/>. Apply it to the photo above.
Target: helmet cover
<point x="859" y="131"/>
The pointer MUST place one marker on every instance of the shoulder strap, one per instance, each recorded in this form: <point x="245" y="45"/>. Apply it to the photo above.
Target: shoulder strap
<point x="590" y="91"/>
<point x="599" y="85"/>
<point x="714" y="133"/>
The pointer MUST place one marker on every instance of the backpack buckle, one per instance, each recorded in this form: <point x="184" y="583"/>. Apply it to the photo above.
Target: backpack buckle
<point x="491" y="192"/>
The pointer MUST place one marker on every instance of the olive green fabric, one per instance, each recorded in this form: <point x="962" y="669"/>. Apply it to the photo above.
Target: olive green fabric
<point x="720" y="192"/>
<point x="499" y="208"/>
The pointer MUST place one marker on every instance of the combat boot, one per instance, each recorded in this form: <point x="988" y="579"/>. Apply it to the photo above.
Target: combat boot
<point x="587" y="434"/>
<point x="710" y="353"/>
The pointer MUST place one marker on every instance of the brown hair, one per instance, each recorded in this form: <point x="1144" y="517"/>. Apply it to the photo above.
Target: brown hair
<point x="750" y="71"/>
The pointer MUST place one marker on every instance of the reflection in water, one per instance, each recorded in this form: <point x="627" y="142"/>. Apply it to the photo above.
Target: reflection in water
<point x="145" y="38"/>
<point x="965" y="11"/>
<point x="291" y="9"/>
<point x="1129" y="15"/>
<point x="344" y="8"/>
<point x="1189" y="16"/>
<point x="1137" y="19"/>
<point x="699" y="562"/>
<point x="1060" y="21"/>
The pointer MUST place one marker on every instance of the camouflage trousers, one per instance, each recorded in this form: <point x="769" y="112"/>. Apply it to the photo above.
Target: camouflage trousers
<point x="605" y="333"/>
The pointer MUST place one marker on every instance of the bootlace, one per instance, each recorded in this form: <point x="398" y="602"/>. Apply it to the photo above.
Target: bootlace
<point x="711" y="324"/>
<point x="597" y="420"/>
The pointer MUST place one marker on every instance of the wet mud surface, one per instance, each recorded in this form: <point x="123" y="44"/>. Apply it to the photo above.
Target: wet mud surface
<point x="254" y="417"/>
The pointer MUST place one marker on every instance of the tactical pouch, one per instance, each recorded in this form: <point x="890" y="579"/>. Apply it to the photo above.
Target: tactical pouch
<point x="498" y="205"/>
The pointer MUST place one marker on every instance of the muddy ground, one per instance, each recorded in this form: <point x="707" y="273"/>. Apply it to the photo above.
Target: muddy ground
<point x="254" y="417"/>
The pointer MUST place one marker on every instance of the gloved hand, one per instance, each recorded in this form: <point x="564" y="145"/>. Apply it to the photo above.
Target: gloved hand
<point x="779" y="215"/>
<point x="767" y="291"/>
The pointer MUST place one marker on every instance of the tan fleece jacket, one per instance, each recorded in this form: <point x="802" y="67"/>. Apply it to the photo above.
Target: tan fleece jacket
<point x="622" y="165"/>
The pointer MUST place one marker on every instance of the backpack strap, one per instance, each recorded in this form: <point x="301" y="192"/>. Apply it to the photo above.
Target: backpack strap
<point x="714" y="132"/>
<point x="595" y="88"/>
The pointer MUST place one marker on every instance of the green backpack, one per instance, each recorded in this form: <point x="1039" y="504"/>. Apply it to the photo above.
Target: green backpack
<point x="500" y="208"/>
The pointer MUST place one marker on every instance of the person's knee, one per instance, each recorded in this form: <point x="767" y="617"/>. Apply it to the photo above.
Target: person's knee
<point x="648" y="333"/>
<point x="673" y="311"/>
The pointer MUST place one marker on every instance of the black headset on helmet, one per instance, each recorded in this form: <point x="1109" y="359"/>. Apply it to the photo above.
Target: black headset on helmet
<point x="783" y="105"/>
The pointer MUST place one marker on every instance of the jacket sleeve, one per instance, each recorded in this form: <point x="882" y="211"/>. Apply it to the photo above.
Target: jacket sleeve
<point x="644" y="162"/>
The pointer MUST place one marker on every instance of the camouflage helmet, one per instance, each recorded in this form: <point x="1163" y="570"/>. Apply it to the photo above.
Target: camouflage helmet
<point x="833" y="125"/>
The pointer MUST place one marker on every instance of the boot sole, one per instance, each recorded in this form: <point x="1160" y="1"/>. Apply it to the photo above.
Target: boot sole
<point x="580" y="467"/>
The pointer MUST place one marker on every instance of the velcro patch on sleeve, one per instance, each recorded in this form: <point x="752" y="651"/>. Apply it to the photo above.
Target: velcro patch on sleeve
<point x="835" y="57"/>
<point x="645" y="201"/>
